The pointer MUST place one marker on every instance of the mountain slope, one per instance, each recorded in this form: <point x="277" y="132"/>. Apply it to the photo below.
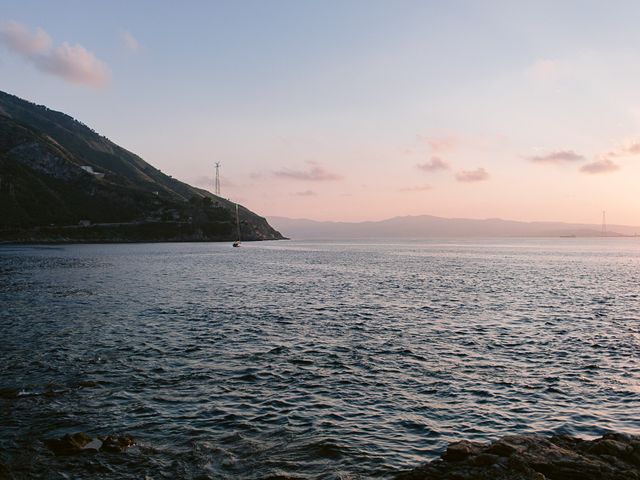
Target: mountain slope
<point x="427" y="226"/>
<point x="55" y="173"/>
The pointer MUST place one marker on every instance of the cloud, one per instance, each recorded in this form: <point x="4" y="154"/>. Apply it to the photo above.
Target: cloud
<point x="545" y="69"/>
<point x="418" y="188"/>
<point x="604" y="165"/>
<point x="16" y="37"/>
<point x="434" y="164"/>
<point x="633" y="148"/>
<point x="629" y="149"/>
<point x="440" y="144"/>
<point x="129" y="42"/>
<point x="306" y="193"/>
<point x="316" y="173"/>
<point x="558" y="157"/>
<point x="73" y="63"/>
<point x="478" y="175"/>
<point x="546" y="72"/>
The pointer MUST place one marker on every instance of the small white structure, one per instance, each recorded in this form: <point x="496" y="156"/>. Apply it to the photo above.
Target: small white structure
<point x="89" y="169"/>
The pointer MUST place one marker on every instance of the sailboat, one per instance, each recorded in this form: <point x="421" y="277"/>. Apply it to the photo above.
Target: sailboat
<point x="237" y="242"/>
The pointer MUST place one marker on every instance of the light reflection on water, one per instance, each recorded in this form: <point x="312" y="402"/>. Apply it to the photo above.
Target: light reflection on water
<point x="312" y="359"/>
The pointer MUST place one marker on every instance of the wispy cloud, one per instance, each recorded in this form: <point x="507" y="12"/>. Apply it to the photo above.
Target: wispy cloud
<point x="546" y="69"/>
<point x="629" y="148"/>
<point x="315" y="173"/>
<point x="306" y="193"/>
<point x="440" y="144"/>
<point x="433" y="165"/>
<point x="604" y="165"/>
<point x="129" y="42"/>
<point x="558" y="157"/>
<point x="19" y="39"/>
<point x="417" y="188"/>
<point x="477" y="175"/>
<point x="73" y="63"/>
<point x="633" y="148"/>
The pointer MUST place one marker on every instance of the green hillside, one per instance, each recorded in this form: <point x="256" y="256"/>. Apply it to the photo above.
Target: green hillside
<point x="61" y="181"/>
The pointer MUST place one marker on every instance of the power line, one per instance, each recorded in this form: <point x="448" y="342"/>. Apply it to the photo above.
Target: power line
<point x="216" y="186"/>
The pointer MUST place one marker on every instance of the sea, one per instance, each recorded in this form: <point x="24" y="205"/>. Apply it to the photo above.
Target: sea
<point x="313" y="360"/>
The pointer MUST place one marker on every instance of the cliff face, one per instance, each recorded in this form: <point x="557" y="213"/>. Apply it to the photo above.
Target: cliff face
<point x="56" y="173"/>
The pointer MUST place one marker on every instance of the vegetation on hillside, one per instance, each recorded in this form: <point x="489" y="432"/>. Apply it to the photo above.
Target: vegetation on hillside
<point x="57" y="173"/>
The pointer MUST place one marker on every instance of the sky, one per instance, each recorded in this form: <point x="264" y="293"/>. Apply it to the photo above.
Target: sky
<point x="354" y="110"/>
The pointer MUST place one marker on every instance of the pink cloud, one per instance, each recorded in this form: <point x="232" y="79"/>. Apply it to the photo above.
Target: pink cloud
<point x="633" y="149"/>
<point x="434" y="164"/>
<point x="558" y="157"/>
<point x="604" y="165"/>
<point x="306" y="193"/>
<point x="630" y="148"/>
<point x="73" y="63"/>
<point x="477" y="175"/>
<point x="17" y="38"/>
<point x="316" y="173"/>
<point x="129" y="42"/>
<point x="418" y="188"/>
<point x="440" y="144"/>
<point x="545" y="69"/>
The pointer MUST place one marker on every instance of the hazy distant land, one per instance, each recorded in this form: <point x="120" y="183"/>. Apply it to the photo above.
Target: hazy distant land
<point x="427" y="226"/>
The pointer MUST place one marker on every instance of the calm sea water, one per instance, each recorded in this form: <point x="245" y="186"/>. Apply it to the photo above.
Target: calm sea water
<point x="312" y="360"/>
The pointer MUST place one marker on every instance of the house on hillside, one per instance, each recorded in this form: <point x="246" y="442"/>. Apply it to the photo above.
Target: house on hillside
<point x="89" y="169"/>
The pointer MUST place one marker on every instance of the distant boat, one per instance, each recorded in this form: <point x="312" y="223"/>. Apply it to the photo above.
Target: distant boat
<point x="237" y="242"/>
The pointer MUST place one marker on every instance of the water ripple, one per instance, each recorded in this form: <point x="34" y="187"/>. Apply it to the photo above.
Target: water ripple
<point x="293" y="360"/>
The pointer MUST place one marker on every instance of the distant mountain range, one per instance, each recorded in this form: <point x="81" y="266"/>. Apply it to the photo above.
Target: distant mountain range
<point x="62" y="181"/>
<point x="427" y="226"/>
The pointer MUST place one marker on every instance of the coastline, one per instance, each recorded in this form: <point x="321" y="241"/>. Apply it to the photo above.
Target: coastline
<point x="142" y="232"/>
<point x="614" y="456"/>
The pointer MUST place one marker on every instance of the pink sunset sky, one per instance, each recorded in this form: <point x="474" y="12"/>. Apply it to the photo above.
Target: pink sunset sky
<point x="355" y="110"/>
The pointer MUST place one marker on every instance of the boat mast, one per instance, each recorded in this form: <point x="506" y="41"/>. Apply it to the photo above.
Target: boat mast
<point x="238" y="222"/>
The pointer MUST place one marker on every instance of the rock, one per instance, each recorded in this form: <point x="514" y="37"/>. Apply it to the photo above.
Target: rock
<point x="9" y="393"/>
<point x="502" y="449"/>
<point x="535" y="457"/>
<point x="78" y="443"/>
<point x="116" y="444"/>
<point x="70" y="444"/>
<point x="5" y="474"/>
<point x="461" y="450"/>
<point x="485" y="459"/>
<point x="606" y="446"/>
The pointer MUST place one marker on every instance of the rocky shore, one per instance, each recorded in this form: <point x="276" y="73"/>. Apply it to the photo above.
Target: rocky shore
<point x="614" y="456"/>
<point x="78" y="443"/>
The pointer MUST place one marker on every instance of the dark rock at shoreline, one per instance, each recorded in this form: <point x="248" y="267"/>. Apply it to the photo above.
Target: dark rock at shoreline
<point x="5" y="474"/>
<point x="78" y="443"/>
<point x="116" y="444"/>
<point x="615" y="456"/>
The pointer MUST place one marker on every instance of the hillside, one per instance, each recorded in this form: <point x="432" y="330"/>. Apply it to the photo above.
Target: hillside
<point x="427" y="226"/>
<point x="62" y="181"/>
